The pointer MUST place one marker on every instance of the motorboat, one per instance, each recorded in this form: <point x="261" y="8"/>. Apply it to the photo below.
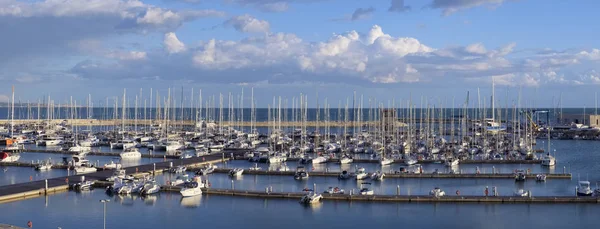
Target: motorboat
<point x="123" y="144"/>
<point x="85" y="169"/>
<point x="520" y="175"/>
<point x="311" y="198"/>
<point x="300" y="173"/>
<point x="191" y="189"/>
<point x="521" y="192"/>
<point x="332" y="190"/>
<point x="113" y="165"/>
<point x="540" y="178"/>
<point x="9" y="156"/>
<point x="150" y="188"/>
<point x="181" y="179"/>
<point x="84" y="185"/>
<point x="178" y="169"/>
<point x="319" y="160"/>
<point x="201" y="151"/>
<point x="117" y="174"/>
<point x="450" y="162"/>
<point x="277" y="159"/>
<point x="548" y="160"/>
<point x="377" y="176"/>
<point x="344" y="175"/>
<point x="360" y="174"/>
<point x="173" y="146"/>
<point x="131" y="153"/>
<point x="366" y="192"/>
<point x="386" y="161"/>
<point x="185" y="156"/>
<point x="208" y="169"/>
<point x="236" y="172"/>
<point x="80" y="149"/>
<point x="46" y="165"/>
<point x="346" y="160"/>
<point x="584" y="189"/>
<point x="437" y="192"/>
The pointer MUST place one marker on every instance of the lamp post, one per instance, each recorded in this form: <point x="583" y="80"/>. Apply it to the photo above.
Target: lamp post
<point x="104" y="202"/>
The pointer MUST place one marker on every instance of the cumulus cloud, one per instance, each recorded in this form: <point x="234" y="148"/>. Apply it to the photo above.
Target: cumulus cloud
<point x="248" y="24"/>
<point x="398" y="6"/>
<point x="172" y="43"/>
<point x="451" y="6"/>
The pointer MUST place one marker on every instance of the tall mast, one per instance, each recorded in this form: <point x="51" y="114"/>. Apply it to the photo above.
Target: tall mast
<point x="12" y="112"/>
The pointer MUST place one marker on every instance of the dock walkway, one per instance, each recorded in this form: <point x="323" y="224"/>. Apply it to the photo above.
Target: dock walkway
<point x="35" y="188"/>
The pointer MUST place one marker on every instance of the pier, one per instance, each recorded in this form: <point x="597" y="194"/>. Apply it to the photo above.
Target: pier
<point x="405" y="175"/>
<point x="59" y="184"/>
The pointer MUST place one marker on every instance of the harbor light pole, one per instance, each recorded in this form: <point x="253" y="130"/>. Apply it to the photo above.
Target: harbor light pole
<point x="104" y="202"/>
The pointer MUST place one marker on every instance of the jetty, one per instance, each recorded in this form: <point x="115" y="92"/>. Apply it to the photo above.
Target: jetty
<point x="406" y="175"/>
<point x="61" y="184"/>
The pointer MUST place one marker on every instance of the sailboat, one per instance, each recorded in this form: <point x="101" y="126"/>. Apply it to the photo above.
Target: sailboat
<point x="11" y="152"/>
<point x="548" y="160"/>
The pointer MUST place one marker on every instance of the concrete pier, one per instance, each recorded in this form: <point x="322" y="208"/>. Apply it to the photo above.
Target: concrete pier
<point x="405" y="175"/>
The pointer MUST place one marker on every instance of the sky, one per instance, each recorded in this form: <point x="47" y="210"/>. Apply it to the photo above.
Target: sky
<point x="542" y="53"/>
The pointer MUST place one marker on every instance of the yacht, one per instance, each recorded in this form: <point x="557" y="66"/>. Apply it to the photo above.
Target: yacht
<point x="46" y="165"/>
<point x="584" y="189"/>
<point x="117" y="174"/>
<point x="300" y="173"/>
<point x="82" y="186"/>
<point x="437" y="192"/>
<point x="360" y="174"/>
<point x="112" y="165"/>
<point x="208" y="169"/>
<point x="79" y="148"/>
<point x="123" y="144"/>
<point x="386" y="161"/>
<point x="181" y="179"/>
<point x="319" y="160"/>
<point x="548" y="160"/>
<point x="8" y="156"/>
<point x="540" y="178"/>
<point x="173" y="146"/>
<point x="520" y="175"/>
<point x="131" y="153"/>
<point x="85" y="169"/>
<point x="191" y="189"/>
<point x="150" y="188"/>
<point x="178" y="169"/>
<point x="332" y="190"/>
<point x="346" y="160"/>
<point x="236" y="172"/>
<point x="377" y="176"/>
<point x="366" y="192"/>
<point x="277" y="158"/>
<point x="311" y="198"/>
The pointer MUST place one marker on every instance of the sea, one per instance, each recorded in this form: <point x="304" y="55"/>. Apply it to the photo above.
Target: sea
<point x="170" y="210"/>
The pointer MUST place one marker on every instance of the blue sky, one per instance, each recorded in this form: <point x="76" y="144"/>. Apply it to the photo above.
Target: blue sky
<point x="436" y="49"/>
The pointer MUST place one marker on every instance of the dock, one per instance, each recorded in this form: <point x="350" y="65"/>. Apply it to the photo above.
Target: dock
<point x="397" y="198"/>
<point x="6" y="226"/>
<point x="406" y="175"/>
<point x="401" y="161"/>
<point x="36" y="188"/>
<point x="97" y="153"/>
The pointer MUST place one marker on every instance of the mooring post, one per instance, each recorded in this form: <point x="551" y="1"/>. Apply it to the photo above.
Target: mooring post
<point x="232" y="188"/>
<point x="46" y="186"/>
<point x="153" y="168"/>
<point x="493" y="169"/>
<point x="398" y="190"/>
<point x="564" y="169"/>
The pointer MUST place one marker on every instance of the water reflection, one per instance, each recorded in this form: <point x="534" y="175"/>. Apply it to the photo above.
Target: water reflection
<point x="150" y="199"/>
<point x="191" y="202"/>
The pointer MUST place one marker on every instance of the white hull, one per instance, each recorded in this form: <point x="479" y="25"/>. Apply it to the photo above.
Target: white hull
<point x="174" y="147"/>
<point x="186" y="192"/>
<point x="54" y="142"/>
<point x="346" y="160"/>
<point x="80" y="149"/>
<point x="386" y="161"/>
<point x="83" y="170"/>
<point x="277" y="159"/>
<point x="319" y="160"/>
<point x="11" y="158"/>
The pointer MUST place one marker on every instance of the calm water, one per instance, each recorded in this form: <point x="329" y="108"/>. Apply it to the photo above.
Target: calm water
<point x="83" y="210"/>
<point x="168" y="210"/>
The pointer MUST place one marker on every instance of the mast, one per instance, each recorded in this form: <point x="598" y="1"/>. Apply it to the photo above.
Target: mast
<point x="12" y="112"/>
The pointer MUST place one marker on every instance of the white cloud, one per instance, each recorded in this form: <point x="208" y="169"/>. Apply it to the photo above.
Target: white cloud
<point x="476" y="48"/>
<point x="248" y="24"/>
<point x="4" y="98"/>
<point x="362" y="13"/>
<point x="172" y="43"/>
